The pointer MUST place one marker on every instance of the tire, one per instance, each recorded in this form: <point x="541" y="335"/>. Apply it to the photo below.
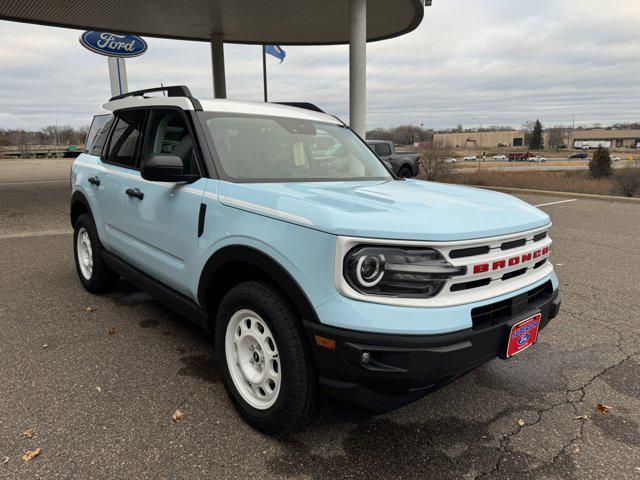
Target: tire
<point x="249" y="315"/>
<point x="94" y="274"/>
<point x="404" y="172"/>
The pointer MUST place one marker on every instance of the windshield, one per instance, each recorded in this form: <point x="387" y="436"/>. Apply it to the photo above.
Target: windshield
<point x="259" y="148"/>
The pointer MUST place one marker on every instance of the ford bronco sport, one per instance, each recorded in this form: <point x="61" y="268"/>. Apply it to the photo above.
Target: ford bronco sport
<point x="316" y="269"/>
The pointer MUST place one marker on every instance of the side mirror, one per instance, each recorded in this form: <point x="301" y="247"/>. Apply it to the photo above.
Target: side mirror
<point x="165" y="167"/>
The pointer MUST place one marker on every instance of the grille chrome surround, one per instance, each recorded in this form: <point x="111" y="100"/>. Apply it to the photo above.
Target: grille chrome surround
<point x="501" y="281"/>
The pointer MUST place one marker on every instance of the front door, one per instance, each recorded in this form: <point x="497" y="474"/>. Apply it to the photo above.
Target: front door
<point x="161" y="219"/>
<point x="119" y="163"/>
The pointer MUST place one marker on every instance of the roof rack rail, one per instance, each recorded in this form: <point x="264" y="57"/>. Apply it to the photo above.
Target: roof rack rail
<point x="172" y="91"/>
<point x="305" y="105"/>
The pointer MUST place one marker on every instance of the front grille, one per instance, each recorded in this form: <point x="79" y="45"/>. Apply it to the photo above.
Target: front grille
<point x="515" y="273"/>
<point x="468" y="252"/>
<point x="539" y="236"/>
<point x="500" y="312"/>
<point x="540" y="263"/>
<point x="456" y="287"/>
<point x="513" y="244"/>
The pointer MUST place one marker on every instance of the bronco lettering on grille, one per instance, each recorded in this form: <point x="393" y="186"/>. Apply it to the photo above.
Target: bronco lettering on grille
<point x="511" y="261"/>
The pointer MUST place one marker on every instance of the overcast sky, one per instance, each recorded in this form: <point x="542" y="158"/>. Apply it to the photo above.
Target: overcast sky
<point x="502" y="61"/>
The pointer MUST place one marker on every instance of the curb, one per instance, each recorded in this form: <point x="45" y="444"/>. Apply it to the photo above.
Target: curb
<point x="586" y="196"/>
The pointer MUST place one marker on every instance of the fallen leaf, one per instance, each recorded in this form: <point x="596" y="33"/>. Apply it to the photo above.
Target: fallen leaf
<point x="113" y="331"/>
<point x="99" y="389"/>
<point x="89" y="309"/>
<point x="31" y="454"/>
<point x="45" y="345"/>
<point x="520" y="422"/>
<point x="600" y="408"/>
<point x="5" y="460"/>
<point x="582" y="417"/>
<point x="177" y="416"/>
<point x="29" y="433"/>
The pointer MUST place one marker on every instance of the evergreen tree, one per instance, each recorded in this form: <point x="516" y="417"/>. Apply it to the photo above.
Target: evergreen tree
<point x="536" y="142"/>
<point x="600" y="164"/>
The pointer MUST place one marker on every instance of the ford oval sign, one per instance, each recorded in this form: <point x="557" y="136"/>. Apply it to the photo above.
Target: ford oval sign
<point x="113" y="45"/>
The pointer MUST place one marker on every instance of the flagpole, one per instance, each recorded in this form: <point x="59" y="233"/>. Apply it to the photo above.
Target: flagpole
<point x="264" y="71"/>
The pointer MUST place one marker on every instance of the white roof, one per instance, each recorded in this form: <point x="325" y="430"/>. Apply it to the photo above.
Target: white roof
<point x="223" y="106"/>
<point x="267" y="109"/>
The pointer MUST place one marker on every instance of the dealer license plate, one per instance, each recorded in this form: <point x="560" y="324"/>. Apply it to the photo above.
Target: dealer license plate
<point x="523" y="334"/>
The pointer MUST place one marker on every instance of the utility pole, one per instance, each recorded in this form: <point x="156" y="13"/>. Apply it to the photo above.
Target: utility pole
<point x="573" y="127"/>
<point x="480" y="123"/>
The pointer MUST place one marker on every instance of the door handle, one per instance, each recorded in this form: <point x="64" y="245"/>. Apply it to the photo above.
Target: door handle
<point x="94" y="181"/>
<point x="134" y="192"/>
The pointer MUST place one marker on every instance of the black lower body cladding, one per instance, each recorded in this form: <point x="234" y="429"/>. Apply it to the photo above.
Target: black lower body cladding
<point x="382" y="372"/>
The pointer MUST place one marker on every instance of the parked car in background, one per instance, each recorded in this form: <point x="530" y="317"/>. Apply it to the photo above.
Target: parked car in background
<point x="520" y="157"/>
<point x="470" y="158"/>
<point x="537" y="159"/>
<point x="578" y="155"/>
<point x="404" y="165"/>
<point x="450" y="160"/>
<point x="500" y="158"/>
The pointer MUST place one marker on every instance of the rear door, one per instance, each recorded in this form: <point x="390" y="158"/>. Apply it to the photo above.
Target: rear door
<point x="161" y="224"/>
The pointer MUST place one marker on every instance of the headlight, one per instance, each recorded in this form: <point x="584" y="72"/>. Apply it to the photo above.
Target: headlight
<point x="397" y="272"/>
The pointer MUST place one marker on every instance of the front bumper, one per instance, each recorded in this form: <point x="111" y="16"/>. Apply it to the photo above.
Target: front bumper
<point x="403" y="368"/>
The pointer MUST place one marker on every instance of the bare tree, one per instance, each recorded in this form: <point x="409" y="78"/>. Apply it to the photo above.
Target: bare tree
<point x="556" y="136"/>
<point x="434" y="167"/>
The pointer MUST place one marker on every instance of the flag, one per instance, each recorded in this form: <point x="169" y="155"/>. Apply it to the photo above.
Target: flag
<point x="276" y="51"/>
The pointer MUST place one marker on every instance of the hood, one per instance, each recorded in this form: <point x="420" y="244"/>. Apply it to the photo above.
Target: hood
<point x="404" y="210"/>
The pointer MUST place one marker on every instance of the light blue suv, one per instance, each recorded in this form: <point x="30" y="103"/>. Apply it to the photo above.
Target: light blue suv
<point x="317" y="270"/>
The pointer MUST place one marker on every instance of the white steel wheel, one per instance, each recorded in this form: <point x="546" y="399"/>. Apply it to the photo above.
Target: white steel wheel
<point x="252" y="359"/>
<point x="85" y="253"/>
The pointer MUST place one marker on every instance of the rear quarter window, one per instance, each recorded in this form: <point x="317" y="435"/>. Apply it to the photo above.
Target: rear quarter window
<point x="98" y="133"/>
<point x="383" y="149"/>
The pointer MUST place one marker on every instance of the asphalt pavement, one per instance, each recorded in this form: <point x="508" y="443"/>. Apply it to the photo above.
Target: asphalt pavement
<point x="93" y="381"/>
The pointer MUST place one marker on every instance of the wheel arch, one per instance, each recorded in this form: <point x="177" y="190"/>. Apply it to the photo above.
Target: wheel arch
<point x="238" y="263"/>
<point x="408" y="167"/>
<point x="78" y="205"/>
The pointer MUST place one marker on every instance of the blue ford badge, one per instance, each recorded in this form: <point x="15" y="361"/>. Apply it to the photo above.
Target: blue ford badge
<point x="524" y="339"/>
<point x="112" y="45"/>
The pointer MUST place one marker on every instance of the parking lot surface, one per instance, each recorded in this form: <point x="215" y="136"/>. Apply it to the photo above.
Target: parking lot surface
<point x="98" y="378"/>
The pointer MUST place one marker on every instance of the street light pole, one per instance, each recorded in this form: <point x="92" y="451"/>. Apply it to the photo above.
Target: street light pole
<point x="573" y="127"/>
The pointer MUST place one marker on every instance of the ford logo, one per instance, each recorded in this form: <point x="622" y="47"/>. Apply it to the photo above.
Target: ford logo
<point x="524" y="339"/>
<point x="112" y="45"/>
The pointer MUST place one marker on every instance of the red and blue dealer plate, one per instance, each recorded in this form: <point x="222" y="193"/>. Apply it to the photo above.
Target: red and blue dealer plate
<point x="523" y="334"/>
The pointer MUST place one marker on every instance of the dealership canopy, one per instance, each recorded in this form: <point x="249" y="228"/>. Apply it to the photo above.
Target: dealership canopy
<point x="285" y="22"/>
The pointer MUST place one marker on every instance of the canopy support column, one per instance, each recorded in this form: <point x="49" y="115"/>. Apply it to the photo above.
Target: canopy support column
<point x="358" y="66"/>
<point x="217" y="62"/>
<point x="118" y="76"/>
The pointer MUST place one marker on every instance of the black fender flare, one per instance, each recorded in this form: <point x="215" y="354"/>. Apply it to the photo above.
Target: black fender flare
<point x="269" y="267"/>
<point x="78" y="198"/>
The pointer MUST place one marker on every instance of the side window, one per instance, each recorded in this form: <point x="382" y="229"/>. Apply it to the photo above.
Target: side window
<point x="383" y="149"/>
<point x="98" y="133"/>
<point x="125" y="139"/>
<point x="168" y="133"/>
